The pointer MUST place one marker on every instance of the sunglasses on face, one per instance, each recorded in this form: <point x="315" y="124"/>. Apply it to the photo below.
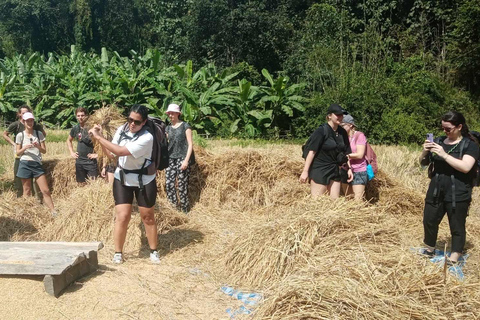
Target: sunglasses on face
<point x="448" y="129"/>
<point x="136" y="122"/>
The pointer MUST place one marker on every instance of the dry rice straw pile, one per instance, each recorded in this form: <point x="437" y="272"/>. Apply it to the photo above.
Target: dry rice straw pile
<point x="21" y="218"/>
<point x="276" y="249"/>
<point x="359" y="288"/>
<point x="87" y="214"/>
<point x="109" y="118"/>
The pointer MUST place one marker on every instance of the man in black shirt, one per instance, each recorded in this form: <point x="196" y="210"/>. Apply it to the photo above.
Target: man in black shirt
<point x="14" y="129"/>
<point x="86" y="159"/>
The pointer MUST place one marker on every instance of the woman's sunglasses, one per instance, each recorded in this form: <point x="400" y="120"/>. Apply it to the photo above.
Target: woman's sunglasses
<point x="136" y="122"/>
<point x="448" y="129"/>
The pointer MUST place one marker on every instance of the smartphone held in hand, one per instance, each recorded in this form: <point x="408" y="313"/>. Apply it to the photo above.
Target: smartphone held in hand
<point x="430" y="137"/>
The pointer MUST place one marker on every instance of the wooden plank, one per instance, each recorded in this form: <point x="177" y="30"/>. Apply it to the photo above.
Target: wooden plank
<point x="55" y="284"/>
<point x="43" y="258"/>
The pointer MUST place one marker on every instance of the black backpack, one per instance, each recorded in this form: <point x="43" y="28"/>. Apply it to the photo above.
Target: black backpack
<point x="305" y="149"/>
<point x="476" y="178"/>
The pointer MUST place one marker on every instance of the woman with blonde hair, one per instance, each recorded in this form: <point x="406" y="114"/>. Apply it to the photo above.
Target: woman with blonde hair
<point x="328" y="148"/>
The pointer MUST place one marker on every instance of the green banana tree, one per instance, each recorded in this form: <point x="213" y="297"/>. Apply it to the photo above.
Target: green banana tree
<point x="282" y="98"/>
<point x="245" y="114"/>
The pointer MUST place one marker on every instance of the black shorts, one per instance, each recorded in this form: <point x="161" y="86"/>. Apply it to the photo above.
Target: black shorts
<point x="124" y="194"/>
<point x="110" y="168"/>
<point x="84" y="170"/>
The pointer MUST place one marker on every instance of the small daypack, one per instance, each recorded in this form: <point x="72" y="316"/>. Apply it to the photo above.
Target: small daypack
<point x="305" y="149"/>
<point x="371" y="157"/>
<point x="159" y="158"/>
<point x="476" y="178"/>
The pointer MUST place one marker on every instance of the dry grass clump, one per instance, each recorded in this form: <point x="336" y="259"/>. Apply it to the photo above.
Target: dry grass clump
<point x="21" y="218"/>
<point x="60" y="174"/>
<point x="87" y="214"/>
<point x="244" y="179"/>
<point x="386" y="190"/>
<point x="401" y="163"/>
<point x="109" y="118"/>
<point x="358" y="287"/>
<point x="273" y="250"/>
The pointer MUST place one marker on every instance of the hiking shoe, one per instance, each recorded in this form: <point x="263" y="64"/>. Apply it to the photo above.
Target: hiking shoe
<point x="117" y="258"/>
<point x="426" y="253"/>
<point x="154" y="257"/>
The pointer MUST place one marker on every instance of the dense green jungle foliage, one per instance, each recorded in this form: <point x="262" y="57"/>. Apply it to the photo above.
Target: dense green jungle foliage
<point x="397" y="66"/>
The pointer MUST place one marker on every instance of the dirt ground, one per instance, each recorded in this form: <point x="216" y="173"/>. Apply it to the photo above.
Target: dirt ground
<point x="180" y="287"/>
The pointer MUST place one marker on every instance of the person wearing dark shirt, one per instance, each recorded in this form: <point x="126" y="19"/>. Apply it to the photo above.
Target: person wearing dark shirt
<point x="452" y="159"/>
<point x="180" y="154"/>
<point x="328" y="150"/>
<point x="14" y="129"/>
<point x="85" y="158"/>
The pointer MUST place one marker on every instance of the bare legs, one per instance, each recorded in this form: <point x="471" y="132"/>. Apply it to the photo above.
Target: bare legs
<point x="122" y="218"/>
<point x="319" y="189"/>
<point x="358" y="190"/>
<point x="43" y="185"/>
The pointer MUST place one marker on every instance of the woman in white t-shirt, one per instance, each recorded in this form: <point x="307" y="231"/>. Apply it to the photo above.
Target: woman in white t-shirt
<point x="30" y="144"/>
<point x="132" y="144"/>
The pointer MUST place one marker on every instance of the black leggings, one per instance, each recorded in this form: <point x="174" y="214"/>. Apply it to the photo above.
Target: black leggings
<point x="124" y="194"/>
<point x="433" y="215"/>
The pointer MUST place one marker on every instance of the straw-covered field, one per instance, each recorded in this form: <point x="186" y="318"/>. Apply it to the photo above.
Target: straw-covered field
<point x="253" y="227"/>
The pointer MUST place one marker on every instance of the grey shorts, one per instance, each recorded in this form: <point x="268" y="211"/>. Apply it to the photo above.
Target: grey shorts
<point x="30" y="169"/>
<point x="360" y="178"/>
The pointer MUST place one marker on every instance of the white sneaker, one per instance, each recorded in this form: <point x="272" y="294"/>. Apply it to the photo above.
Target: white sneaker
<point x="117" y="258"/>
<point x="154" y="257"/>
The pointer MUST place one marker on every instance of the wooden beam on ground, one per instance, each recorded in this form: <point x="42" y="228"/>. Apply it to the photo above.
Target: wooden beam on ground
<point x="61" y="262"/>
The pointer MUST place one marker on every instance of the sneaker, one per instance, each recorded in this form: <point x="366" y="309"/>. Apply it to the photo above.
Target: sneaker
<point x="155" y="257"/>
<point x="117" y="258"/>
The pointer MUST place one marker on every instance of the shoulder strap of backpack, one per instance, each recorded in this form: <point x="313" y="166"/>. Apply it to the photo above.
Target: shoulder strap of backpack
<point x="463" y="145"/>
<point x="123" y="134"/>
<point x="21" y="140"/>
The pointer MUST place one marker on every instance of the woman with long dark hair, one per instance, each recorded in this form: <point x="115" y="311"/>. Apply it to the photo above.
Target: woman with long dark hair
<point x="452" y="159"/>
<point x="132" y="144"/>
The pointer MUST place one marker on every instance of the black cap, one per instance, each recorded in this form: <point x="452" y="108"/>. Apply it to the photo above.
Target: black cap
<point x="335" y="108"/>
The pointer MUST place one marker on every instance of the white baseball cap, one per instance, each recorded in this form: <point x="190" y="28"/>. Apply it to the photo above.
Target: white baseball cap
<point x="28" y="115"/>
<point x="173" y="108"/>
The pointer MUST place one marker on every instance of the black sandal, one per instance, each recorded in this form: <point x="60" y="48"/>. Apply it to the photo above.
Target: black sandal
<point x="427" y="253"/>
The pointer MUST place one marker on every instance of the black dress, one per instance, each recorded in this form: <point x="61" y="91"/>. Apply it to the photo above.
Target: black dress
<point x="331" y="150"/>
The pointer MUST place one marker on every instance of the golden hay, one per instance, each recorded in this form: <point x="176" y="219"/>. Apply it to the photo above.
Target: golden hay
<point x="273" y="250"/>
<point x="358" y="287"/>
<point x="60" y="174"/>
<point x="87" y="214"/>
<point x="21" y="218"/>
<point x="109" y="118"/>
<point x="258" y="229"/>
